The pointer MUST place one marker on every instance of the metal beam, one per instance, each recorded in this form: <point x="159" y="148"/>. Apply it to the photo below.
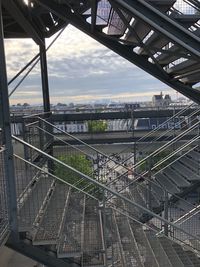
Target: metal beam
<point x="23" y="21"/>
<point x="7" y="141"/>
<point x="162" y="23"/>
<point x="40" y="255"/>
<point x="44" y="77"/>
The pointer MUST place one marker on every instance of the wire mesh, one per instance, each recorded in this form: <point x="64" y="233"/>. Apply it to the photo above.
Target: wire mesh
<point x="4" y="221"/>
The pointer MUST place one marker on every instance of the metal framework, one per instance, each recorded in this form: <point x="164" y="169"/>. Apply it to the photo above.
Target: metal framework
<point x="65" y="216"/>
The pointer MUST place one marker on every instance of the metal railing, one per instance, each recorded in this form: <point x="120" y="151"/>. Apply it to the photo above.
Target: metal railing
<point x="70" y="176"/>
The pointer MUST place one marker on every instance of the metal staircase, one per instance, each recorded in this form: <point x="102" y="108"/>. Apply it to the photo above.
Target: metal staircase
<point x="105" y="218"/>
<point x="101" y="225"/>
<point x="161" y="37"/>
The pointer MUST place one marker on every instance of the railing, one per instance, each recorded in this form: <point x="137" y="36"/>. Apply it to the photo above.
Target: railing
<point x="70" y="176"/>
<point x="86" y="159"/>
<point x="4" y="222"/>
<point x="117" y="177"/>
<point x="32" y="133"/>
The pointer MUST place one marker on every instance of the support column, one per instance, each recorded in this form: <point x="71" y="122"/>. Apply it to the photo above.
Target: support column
<point x="44" y="77"/>
<point x="7" y="139"/>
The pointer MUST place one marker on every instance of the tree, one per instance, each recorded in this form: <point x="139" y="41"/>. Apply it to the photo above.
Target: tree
<point x="97" y="126"/>
<point x="78" y="162"/>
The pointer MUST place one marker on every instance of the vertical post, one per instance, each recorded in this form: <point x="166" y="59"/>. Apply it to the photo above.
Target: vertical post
<point x="7" y="139"/>
<point x="46" y="102"/>
<point x="149" y="204"/>
<point x="44" y="77"/>
<point x="166" y="208"/>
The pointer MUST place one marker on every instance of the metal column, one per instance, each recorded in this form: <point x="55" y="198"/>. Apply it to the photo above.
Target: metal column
<point x="44" y="77"/>
<point x="7" y="139"/>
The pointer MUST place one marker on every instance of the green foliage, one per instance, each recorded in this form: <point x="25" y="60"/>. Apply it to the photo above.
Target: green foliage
<point x="80" y="163"/>
<point x="97" y="126"/>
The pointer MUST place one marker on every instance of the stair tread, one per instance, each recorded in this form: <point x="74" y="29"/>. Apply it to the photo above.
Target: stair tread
<point x="176" y="178"/>
<point x="166" y="183"/>
<point x="28" y="212"/>
<point x="48" y="229"/>
<point x="171" y="253"/>
<point x="187" y="173"/>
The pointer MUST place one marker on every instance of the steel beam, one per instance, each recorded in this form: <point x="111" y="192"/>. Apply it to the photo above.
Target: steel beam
<point x="23" y="21"/>
<point x="7" y="141"/>
<point x="121" y="50"/>
<point x="162" y="23"/>
<point x="44" y="77"/>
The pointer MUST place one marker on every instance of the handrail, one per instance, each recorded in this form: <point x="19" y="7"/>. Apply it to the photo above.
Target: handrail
<point x="139" y="176"/>
<point x="111" y="204"/>
<point x="105" y="188"/>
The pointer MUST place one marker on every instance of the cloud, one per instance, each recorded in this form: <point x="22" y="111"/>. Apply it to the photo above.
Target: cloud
<point x="80" y="69"/>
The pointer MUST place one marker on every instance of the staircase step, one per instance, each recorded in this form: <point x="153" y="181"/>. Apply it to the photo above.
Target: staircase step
<point x="93" y="253"/>
<point x="144" y="246"/>
<point x="191" y="78"/>
<point x="129" y="245"/>
<point x="166" y="183"/>
<point x="147" y="193"/>
<point x="184" y="67"/>
<point x="193" y="258"/>
<point x="193" y="165"/>
<point x="49" y="226"/>
<point x="158" y="250"/>
<point x="171" y="253"/>
<point x="182" y="255"/>
<point x="158" y="191"/>
<point x="71" y="234"/>
<point x="176" y="178"/>
<point x="185" y="172"/>
<point x="36" y="197"/>
<point x="195" y="156"/>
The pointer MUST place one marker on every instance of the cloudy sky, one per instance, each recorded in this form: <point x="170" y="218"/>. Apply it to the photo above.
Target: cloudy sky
<point x="80" y="70"/>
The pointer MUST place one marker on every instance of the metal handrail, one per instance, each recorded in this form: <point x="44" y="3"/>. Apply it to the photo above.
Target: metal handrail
<point x="139" y="176"/>
<point x="105" y="188"/>
<point x="123" y="212"/>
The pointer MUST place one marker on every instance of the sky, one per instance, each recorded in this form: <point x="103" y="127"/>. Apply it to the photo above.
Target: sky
<point x="80" y="71"/>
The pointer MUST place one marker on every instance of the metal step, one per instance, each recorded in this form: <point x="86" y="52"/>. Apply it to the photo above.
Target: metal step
<point x="193" y="165"/>
<point x="171" y="253"/>
<point x="93" y="253"/>
<point x="148" y="195"/>
<point x="129" y="246"/>
<point x="176" y="178"/>
<point x="141" y="29"/>
<point x="185" y="172"/>
<point x="182" y="255"/>
<point x="33" y="202"/>
<point x="191" y="78"/>
<point x="166" y="183"/>
<point x="144" y="246"/>
<point x="71" y="234"/>
<point x="158" y="250"/>
<point x="184" y="67"/>
<point x="195" y="156"/>
<point x="49" y="226"/>
<point x="158" y="191"/>
<point x="193" y="258"/>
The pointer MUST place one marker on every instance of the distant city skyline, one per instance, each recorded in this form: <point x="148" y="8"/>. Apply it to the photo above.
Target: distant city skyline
<point x="80" y="70"/>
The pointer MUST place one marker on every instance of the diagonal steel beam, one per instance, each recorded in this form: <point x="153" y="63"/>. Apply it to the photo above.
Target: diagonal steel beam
<point x="162" y="23"/>
<point x="23" y="21"/>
